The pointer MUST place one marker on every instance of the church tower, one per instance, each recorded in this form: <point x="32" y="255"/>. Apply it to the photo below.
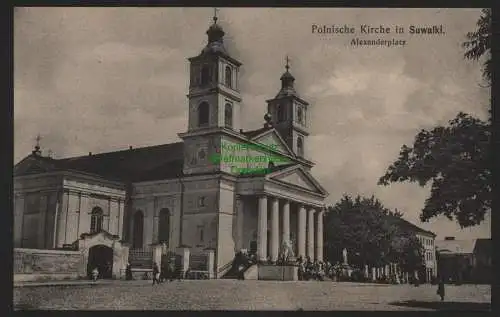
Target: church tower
<point x="214" y="95"/>
<point x="214" y="100"/>
<point x="289" y="114"/>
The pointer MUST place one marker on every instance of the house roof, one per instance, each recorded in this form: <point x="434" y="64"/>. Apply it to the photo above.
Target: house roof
<point x="408" y="226"/>
<point x="482" y="246"/>
<point x="456" y="246"/>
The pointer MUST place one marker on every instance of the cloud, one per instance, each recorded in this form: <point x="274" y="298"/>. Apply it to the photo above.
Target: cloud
<point x="101" y="79"/>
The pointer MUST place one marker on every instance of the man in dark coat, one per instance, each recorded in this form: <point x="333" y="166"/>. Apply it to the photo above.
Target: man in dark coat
<point x="156" y="274"/>
<point x="128" y="272"/>
<point x="440" y="290"/>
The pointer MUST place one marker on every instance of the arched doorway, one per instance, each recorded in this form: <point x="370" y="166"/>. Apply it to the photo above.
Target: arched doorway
<point x="164" y="226"/>
<point x="137" y="234"/>
<point x="100" y="256"/>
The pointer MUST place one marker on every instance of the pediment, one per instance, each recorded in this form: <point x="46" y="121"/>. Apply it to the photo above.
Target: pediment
<point x="298" y="177"/>
<point x="33" y="165"/>
<point x="272" y="138"/>
<point x="88" y="240"/>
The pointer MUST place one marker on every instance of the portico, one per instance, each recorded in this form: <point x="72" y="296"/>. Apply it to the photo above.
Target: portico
<point x="284" y="211"/>
<point x="309" y="230"/>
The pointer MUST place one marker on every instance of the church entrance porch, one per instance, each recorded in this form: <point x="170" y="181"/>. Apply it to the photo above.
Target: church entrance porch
<point x="104" y="251"/>
<point x="267" y="221"/>
<point x="100" y="257"/>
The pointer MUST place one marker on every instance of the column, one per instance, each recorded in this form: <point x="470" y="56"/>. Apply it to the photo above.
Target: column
<point x="156" y="220"/>
<point x="120" y="218"/>
<point x="301" y="236"/>
<point x="286" y="221"/>
<point x="244" y="243"/>
<point x="319" y="236"/>
<point x="275" y="229"/>
<point x="61" y="222"/>
<point x="18" y="220"/>
<point x="262" y="229"/>
<point x="42" y="209"/>
<point x="310" y="234"/>
<point x="56" y="224"/>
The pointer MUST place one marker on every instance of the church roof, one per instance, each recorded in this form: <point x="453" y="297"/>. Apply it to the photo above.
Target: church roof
<point x="252" y="133"/>
<point x="132" y="164"/>
<point x="141" y="164"/>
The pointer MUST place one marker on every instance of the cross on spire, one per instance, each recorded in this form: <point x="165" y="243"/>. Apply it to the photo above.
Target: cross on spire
<point x="37" y="145"/>
<point x="215" y="14"/>
<point x="37" y="139"/>
<point x="287" y="66"/>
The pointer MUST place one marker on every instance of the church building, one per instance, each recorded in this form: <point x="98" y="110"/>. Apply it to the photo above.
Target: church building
<point x="176" y="193"/>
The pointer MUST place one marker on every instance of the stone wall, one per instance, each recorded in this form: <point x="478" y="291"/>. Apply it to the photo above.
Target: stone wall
<point x="35" y="264"/>
<point x="277" y="272"/>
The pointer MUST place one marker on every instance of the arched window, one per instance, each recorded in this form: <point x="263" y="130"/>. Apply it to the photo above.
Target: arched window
<point x="300" y="115"/>
<point x="205" y="75"/>
<point x="228" y="77"/>
<point x="96" y="220"/>
<point x="203" y="113"/>
<point x="300" y="146"/>
<point x="228" y="115"/>
<point x="281" y="113"/>
<point x="138" y="229"/>
<point x="164" y="226"/>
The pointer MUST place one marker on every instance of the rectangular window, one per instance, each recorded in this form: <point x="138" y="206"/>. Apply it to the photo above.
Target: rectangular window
<point x="201" y="201"/>
<point x="201" y="233"/>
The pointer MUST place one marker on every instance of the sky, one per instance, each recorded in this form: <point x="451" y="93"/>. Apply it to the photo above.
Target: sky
<point x="103" y="79"/>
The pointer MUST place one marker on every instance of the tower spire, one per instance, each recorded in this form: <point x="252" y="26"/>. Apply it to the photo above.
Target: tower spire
<point x="215" y="15"/>
<point x="215" y="36"/>
<point x="287" y="80"/>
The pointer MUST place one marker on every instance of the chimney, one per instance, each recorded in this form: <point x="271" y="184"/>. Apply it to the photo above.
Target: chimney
<point x="449" y="238"/>
<point x="90" y="153"/>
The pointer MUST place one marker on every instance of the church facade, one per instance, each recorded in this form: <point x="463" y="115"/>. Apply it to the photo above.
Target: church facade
<point x="198" y="193"/>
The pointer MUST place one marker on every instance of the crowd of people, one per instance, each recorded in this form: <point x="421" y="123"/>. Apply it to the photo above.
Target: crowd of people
<point x="307" y="270"/>
<point x="314" y="270"/>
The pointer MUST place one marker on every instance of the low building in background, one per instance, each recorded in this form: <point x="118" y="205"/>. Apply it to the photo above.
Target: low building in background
<point x="464" y="261"/>
<point x="427" y="239"/>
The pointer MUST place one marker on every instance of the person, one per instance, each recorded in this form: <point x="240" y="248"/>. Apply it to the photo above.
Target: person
<point x="164" y="274"/>
<point x="156" y="274"/>
<point x="300" y="263"/>
<point x="440" y="290"/>
<point x="128" y="272"/>
<point x="95" y="274"/>
<point x="109" y="269"/>
<point x="171" y="269"/>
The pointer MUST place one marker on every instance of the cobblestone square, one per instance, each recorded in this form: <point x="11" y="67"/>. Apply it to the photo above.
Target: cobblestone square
<point x="249" y="295"/>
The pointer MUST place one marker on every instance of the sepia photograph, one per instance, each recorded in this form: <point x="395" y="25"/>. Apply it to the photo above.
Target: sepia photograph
<point x="251" y="159"/>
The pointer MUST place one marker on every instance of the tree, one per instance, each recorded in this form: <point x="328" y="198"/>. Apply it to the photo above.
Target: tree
<point x="479" y="43"/>
<point x="360" y="225"/>
<point x="456" y="158"/>
<point x="407" y="251"/>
